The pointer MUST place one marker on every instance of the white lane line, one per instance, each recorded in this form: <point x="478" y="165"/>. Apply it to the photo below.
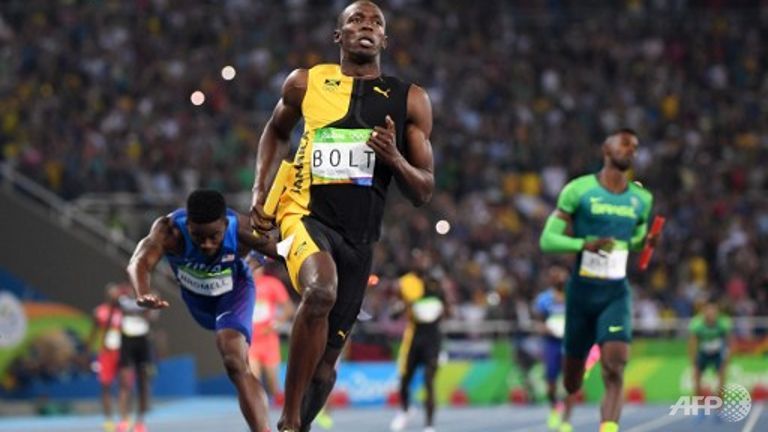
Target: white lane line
<point x="656" y="423"/>
<point x="752" y="419"/>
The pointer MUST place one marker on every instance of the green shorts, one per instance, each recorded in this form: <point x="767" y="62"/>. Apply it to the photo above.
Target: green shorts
<point x="596" y="312"/>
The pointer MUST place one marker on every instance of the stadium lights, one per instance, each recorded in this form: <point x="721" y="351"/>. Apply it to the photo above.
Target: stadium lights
<point x="442" y="227"/>
<point x="228" y="73"/>
<point x="197" y="98"/>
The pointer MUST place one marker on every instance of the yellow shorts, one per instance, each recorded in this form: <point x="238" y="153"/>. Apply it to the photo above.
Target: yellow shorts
<point x="295" y="246"/>
<point x="302" y="236"/>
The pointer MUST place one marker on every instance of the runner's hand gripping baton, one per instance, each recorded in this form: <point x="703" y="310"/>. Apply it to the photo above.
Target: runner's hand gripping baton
<point x="279" y="184"/>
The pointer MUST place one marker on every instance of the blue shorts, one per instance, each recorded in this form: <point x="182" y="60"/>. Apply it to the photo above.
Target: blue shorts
<point x="233" y="310"/>
<point x="553" y="357"/>
<point x="704" y="361"/>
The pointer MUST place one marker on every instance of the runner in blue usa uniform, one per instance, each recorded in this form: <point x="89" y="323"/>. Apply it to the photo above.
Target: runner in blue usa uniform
<point x="204" y="244"/>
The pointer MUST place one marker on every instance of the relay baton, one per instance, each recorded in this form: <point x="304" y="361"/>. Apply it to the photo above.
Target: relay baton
<point x="645" y="256"/>
<point x="278" y="186"/>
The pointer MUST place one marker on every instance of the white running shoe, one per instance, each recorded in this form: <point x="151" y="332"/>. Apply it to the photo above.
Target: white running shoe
<point x="399" y="422"/>
<point x="429" y="429"/>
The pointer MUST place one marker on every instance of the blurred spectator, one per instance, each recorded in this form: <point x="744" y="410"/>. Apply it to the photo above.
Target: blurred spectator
<point x="94" y="98"/>
<point x="106" y="329"/>
<point x="52" y="356"/>
<point x="136" y="359"/>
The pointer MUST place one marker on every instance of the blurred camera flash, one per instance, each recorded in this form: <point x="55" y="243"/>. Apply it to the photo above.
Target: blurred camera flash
<point x="442" y="227"/>
<point x="197" y="98"/>
<point x="228" y="73"/>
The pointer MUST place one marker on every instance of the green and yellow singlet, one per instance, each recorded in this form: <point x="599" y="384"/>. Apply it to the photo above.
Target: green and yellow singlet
<point x="597" y="212"/>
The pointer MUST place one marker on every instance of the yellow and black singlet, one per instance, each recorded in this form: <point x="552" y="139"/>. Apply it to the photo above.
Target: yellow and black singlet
<point x="422" y="337"/>
<point x="336" y="177"/>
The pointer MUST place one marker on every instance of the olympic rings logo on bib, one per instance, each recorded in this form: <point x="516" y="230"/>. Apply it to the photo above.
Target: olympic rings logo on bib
<point x="341" y="156"/>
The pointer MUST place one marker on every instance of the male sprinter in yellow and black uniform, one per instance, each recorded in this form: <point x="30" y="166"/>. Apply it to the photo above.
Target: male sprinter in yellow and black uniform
<point x="425" y="306"/>
<point x="361" y="129"/>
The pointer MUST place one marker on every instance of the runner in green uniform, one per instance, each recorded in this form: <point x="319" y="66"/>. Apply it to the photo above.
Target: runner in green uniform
<point x="710" y="338"/>
<point x="600" y="217"/>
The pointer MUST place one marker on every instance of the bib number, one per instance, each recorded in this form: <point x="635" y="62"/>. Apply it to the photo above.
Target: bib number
<point x="713" y="346"/>
<point x="556" y="325"/>
<point x="262" y="313"/>
<point x="427" y="310"/>
<point x="209" y="285"/>
<point x="135" y="326"/>
<point x="340" y="156"/>
<point x="604" y="265"/>
<point x="112" y="340"/>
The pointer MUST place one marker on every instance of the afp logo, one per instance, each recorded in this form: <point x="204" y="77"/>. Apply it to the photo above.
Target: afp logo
<point x="733" y="406"/>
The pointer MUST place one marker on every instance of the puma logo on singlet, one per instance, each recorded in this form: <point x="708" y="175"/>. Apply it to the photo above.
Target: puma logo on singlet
<point x="385" y="93"/>
<point x="331" y="84"/>
<point x="300" y="248"/>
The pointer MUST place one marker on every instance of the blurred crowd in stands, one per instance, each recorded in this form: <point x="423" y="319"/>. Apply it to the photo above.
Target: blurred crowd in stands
<point x="95" y="98"/>
<point x="54" y="355"/>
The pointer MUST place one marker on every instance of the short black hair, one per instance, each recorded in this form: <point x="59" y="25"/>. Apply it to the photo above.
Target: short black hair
<point x="712" y="299"/>
<point x="205" y="206"/>
<point x="340" y="17"/>
<point x="624" y="130"/>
